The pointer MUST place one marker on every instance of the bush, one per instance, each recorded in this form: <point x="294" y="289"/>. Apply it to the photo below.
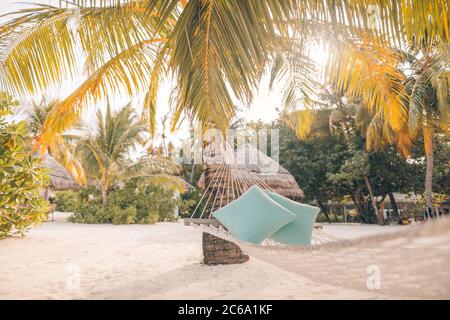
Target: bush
<point x="122" y="216"/>
<point x="189" y="202"/>
<point x="322" y="218"/>
<point x="21" y="176"/>
<point x="67" y="201"/>
<point x="94" y="213"/>
<point x="135" y="202"/>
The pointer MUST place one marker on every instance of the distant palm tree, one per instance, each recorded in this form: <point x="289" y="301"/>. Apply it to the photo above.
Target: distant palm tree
<point x="426" y="88"/>
<point x="429" y="106"/>
<point x="338" y="110"/>
<point x="106" y="153"/>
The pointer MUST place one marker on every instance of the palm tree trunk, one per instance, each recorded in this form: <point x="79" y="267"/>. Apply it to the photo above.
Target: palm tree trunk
<point x="395" y="216"/>
<point x="191" y="178"/>
<point x="324" y="211"/>
<point x="372" y="199"/>
<point x="381" y="209"/>
<point x="429" y="180"/>
<point x="382" y="212"/>
<point x="356" y="197"/>
<point x="105" y="196"/>
<point x="105" y="188"/>
<point x="334" y="213"/>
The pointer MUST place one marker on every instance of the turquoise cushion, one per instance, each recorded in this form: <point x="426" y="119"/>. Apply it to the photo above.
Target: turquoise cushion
<point x="253" y="217"/>
<point x="300" y="230"/>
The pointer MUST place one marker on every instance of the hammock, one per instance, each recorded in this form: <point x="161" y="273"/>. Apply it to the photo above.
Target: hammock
<point x="412" y="263"/>
<point x="227" y="183"/>
<point x="216" y="229"/>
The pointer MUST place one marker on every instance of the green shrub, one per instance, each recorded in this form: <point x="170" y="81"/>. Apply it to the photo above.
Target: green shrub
<point x="21" y="178"/>
<point x="150" y="216"/>
<point x="322" y="218"/>
<point x="93" y="213"/>
<point x="189" y="202"/>
<point x="135" y="202"/>
<point x="122" y="216"/>
<point x="153" y="203"/>
<point x="67" y="201"/>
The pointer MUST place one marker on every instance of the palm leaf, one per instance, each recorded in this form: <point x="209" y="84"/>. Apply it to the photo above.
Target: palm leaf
<point x="125" y="73"/>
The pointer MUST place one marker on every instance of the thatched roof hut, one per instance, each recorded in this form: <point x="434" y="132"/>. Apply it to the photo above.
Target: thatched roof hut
<point x="250" y="159"/>
<point x="226" y="178"/>
<point x="60" y="178"/>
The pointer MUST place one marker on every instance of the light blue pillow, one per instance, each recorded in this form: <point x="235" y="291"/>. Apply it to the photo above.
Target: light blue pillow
<point x="253" y="217"/>
<point x="300" y="230"/>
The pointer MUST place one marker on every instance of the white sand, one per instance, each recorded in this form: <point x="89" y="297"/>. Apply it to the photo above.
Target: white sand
<point x="356" y="230"/>
<point x="61" y="260"/>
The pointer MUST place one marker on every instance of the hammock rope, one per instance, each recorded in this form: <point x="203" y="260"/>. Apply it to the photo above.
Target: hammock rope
<point x="227" y="183"/>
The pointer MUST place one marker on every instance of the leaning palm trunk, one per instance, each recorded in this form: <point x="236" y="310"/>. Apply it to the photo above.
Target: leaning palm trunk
<point x="394" y="216"/>
<point x="378" y="214"/>
<point x="429" y="180"/>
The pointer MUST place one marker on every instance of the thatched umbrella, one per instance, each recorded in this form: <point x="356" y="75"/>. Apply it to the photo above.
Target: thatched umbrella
<point x="247" y="158"/>
<point x="60" y="178"/>
<point x="269" y="171"/>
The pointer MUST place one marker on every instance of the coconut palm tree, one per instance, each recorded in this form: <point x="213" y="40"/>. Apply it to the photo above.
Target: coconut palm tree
<point x="429" y="106"/>
<point x="215" y="50"/>
<point x="105" y="154"/>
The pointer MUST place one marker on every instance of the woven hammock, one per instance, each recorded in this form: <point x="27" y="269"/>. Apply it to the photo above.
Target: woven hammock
<point x="413" y="263"/>
<point x="227" y="183"/>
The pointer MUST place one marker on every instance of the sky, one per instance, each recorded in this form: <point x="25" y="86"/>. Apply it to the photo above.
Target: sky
<point x="263" y="107"/>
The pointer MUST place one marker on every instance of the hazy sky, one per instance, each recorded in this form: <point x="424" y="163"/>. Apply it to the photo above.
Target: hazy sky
<point x="262" y="108"/>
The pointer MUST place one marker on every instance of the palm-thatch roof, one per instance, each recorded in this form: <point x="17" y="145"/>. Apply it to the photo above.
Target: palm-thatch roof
<point x="60" y="178"/>
<point x="247" y="159"/>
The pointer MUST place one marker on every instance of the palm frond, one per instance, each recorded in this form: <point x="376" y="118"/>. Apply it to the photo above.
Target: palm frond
<point x="300" y="121"/>
<point x="302" y="73"/>
<point x="371" y="73"/>
<point x="218" y="54"/>
<point x="156" y="75"/>
<point x="417" y="23"/>
<point x="53" y="42"/>
<point x="42" y="54"/>
<point x="218" y="50"/>
<point x="379" y="135"/>
<point x="126" y="74"/>
<point x="158" y="170"/>
<point x="169" y="181"/>
<point x="429" y="103"/>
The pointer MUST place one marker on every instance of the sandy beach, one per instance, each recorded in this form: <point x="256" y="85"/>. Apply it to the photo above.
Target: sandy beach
<point x="61" y="260"/>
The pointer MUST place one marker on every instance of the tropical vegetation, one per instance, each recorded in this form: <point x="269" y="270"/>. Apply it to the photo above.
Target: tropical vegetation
<point x="105" y="154"/>
<point x="136" y="202"/>
<point x="389" y="59"/>
<point x="21" y="177"/>
<point x="131" y="191"/>
<point x="337" y="170"/>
